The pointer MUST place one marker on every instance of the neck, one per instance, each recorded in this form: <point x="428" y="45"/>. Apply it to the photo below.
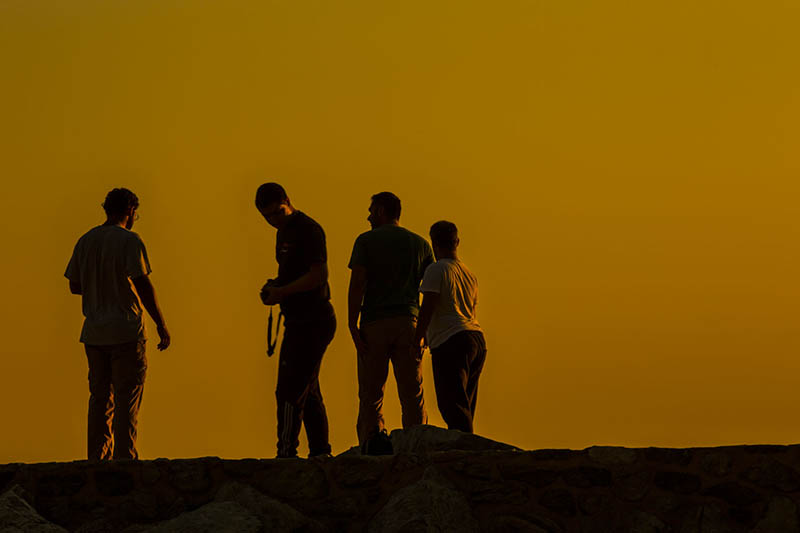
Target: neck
<point x="114" y="221"/>
<point x="450" y="254"/>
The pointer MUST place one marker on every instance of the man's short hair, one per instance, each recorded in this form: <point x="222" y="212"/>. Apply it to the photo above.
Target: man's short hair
<point x="444" y="235"/>
<point x="270" y="193"/>
<point x="389" y="202"/>
<point x="119" y="201"/>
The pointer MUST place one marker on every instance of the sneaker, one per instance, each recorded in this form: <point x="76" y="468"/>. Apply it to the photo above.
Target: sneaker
<point x="320" y="456"/>
<point x="378" y="444"/>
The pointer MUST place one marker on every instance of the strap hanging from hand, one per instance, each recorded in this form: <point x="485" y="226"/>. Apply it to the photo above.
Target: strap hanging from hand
<point x="270" y="344"/>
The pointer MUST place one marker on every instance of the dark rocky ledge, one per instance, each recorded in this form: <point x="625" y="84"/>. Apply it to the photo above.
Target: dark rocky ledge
<point x="438" y="480"/>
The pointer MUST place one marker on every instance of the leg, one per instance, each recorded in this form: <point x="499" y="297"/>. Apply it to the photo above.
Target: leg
<point x="373" y="368"/>
<point x="407" y="365"/>
<point x="450" y="377"/>
<point x="315" y="417"/>
<point x="475" y="369"/>
<point x="301" y="356"/>
<point x="101" y="404"/>
<point x="128" y="369"/>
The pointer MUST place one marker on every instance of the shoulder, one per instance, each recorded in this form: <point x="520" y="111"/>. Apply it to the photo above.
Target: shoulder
<point x="306" y="223"/>
<point x="365" y="237"/>
<point x="423" y="242"/>
<point x="436" y="269"/>
<point x="132" y="237"/>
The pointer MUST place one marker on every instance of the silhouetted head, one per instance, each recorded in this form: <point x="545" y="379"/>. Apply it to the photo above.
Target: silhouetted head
<point x="384" y="209"/>
<point x="444" y="238"/>
<point x="273" y="204"/>
<point x="120" y="206"/>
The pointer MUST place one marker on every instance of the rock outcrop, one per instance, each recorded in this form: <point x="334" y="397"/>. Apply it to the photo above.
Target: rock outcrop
<point x="437" y="480"/>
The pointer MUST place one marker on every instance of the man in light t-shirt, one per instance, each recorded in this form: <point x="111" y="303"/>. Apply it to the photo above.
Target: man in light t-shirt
<point x="447" y="324"/>
<point x="109" y="269"/>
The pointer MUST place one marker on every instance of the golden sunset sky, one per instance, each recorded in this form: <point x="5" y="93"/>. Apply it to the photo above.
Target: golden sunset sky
<point x="625" y="176"/>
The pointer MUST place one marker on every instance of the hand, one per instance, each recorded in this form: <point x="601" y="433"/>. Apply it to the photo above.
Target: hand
<point x="358" y="341"/>
<point x="271" y="295"/>
<point x="418" y="345"/>
<point x="164" y="337"/>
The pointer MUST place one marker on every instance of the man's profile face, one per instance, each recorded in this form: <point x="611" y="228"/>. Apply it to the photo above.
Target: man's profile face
<point x="275" y="213"/>
<point x="375" y="217"/>
<point x="131" y="218"/>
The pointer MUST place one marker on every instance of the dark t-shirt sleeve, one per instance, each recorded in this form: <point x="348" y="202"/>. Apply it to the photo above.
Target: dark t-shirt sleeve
<point x="136" y="262"/>
<point x="359" y="255"/>
<point x="316" y="251"/>
<point x="73" y="272"/>
<point x="427" y="255"/>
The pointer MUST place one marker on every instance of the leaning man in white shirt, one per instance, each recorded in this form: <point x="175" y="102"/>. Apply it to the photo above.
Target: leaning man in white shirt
<point x="447" y="324"/>
<point x="109" y="269"/>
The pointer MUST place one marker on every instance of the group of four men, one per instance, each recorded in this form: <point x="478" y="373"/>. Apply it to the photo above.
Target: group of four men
<point x="390" y="266"/>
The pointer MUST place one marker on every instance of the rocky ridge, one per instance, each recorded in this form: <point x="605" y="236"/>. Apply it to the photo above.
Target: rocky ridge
<point x="437" y="480"/>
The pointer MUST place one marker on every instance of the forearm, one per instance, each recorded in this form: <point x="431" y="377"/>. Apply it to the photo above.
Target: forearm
<point x="147" y="294"/>
<point x="355" y="295"/>
<point x="425" y="315"/>
<point x="308" y="281"/>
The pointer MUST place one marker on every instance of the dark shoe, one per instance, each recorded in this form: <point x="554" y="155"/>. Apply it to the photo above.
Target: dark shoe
<point x="378" y="444"/>
<point x="320" y="456"/>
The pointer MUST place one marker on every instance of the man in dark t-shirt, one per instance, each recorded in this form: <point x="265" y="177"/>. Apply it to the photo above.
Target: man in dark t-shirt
<point x="387" y="265"/>
<point x="302" y="291"/>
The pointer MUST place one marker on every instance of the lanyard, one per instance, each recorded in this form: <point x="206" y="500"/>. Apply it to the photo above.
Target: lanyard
<point x="270" y="344"/>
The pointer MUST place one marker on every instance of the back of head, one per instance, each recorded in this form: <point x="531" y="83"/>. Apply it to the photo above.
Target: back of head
<point x="444" y="235"/>
<point x="390" y="204"/>
<point x="119" y="201"/>
<point x="270" y="193"/>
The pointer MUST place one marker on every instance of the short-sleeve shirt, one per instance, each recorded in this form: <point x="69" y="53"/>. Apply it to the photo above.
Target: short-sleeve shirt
<point x="395" y="260"/>
<point x="458" y="296"/>
<point x="300" y="244"/>
<point x="104" y="262"/>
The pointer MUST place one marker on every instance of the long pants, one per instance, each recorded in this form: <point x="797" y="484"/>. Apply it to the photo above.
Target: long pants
<point x="457" y="365"/>
<point x="298" y="394"/>
<point x="389" y="339"/>
<point x="116" y="383"/>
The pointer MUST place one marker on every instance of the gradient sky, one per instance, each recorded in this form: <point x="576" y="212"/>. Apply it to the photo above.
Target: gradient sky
<point x="625" y="176"/>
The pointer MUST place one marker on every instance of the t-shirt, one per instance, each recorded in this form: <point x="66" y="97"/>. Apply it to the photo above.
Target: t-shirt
<point x="104" y="262"/>
<point x="458" y="297"/>
<point x="301" y="243"/>
<point x="395" y="259"/>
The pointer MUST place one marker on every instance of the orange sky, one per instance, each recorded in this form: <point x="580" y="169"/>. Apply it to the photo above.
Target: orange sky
<point x="624" y="176"/>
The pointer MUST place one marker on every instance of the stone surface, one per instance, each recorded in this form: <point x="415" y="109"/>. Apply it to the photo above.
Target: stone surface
<point x="426" y="439"/>
<point x="438" y="480"/>
<point x="773" y="474"/>
<point x="273" y="515"/>
<point x="428" y="505"/>
<point x="16" y="515"/>
<point x="215" y="517"/>
<point x="612" y="456"/>
<point x="781" y="516"/>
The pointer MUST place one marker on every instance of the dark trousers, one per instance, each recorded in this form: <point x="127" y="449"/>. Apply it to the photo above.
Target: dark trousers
<point x="298" y="395"/>
<point x="116" y="384"/>
<point x="457" y="365"/>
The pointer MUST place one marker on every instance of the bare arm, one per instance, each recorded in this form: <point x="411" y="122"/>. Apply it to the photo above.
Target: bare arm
<point x="429" y="302"/>
<point x="147" y="293"/>
<point x="355" y="295"/>
<point x="75" y="287"/>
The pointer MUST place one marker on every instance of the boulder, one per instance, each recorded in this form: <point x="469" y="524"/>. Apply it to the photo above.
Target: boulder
<point x="426" y="439"/>
<point x="431" y="504"/>
<point x="274" y="515"/>
<point x="214" y="517"/>
<point x="16" y="515"/>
